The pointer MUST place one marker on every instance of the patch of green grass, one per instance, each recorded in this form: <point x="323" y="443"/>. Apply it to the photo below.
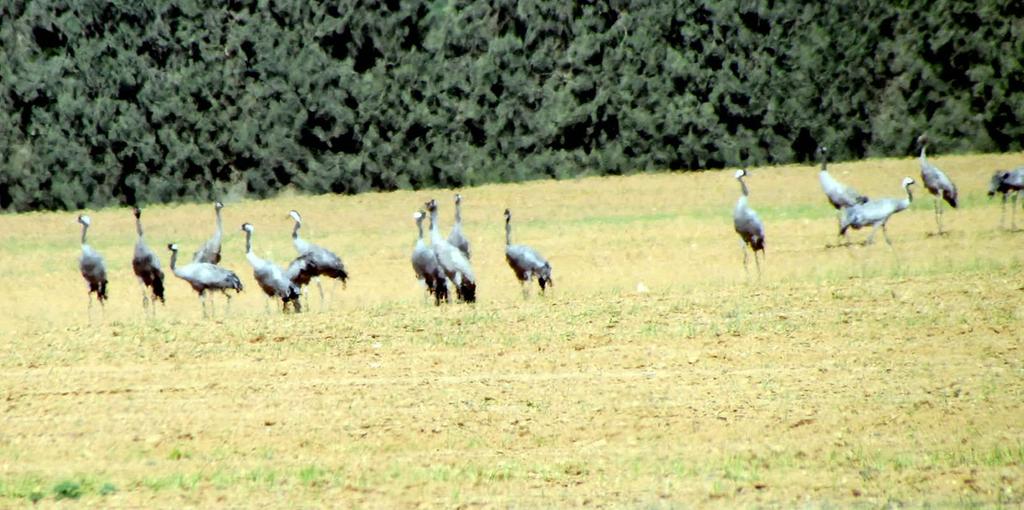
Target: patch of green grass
<point x="312" y="476"/>
<point x="262" y="476"/>
<point x="222" y="478"/>
<point x="174" y="481"/>
<point x="31" y="487"/>
<point x="740" y="469"/>
<point x="179" y="454"/>
<point x="67" y="489"/>
<point x="995" y="456"/>
<point x="27" y="486"/>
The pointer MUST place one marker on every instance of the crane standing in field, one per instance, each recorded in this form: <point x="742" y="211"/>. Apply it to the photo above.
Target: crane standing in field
<point x="456" y="238"/>
<point x="210" y="250"/>
<point x="748" y="225"/>
<point x="92" y="267"/>
<point x="838" y="194"/>
<point x="313" y="262"/>
<point x="428" y="269"/>
<point x="454" y="264"/>
<point x="205" y="277"/>
<point x="1007" y="182"/>
<point x="525" y="261"/>
<point x="146" y="265"/>
<point x="270" y="277"/>
<point x="876" y="213"/>
<point x="940" y="186"/>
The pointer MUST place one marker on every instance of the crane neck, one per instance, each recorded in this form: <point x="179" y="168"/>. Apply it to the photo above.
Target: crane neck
<point x="248" y="242"/>
<point x="743" y="187"/>
<point x="220" y="224"/>
<point x="910" y="196"/>
<point x="174" y="258"/>
<point x="419" y="226"/>
<point x="458" y="213"/>
<point x="85" y="228"/>
<point x="923" y="146"/>
<point x="824" y="163"/>
<point x="138" y="226"/>
<point x="435" y="234"/>
<point x="508" y="231"/>
<point x="295" y="230"/>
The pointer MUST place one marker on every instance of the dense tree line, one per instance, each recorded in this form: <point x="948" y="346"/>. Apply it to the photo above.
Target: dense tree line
<point x="136" y="101"/>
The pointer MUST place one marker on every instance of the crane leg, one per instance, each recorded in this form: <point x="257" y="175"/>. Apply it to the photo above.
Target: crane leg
<point x="839" y="221"/>
<point x="202" y="302"/>
<point x="885" y="233"/>
<point x="846" y="238"/>
<point x="871" y="238"/>
<point x="758" y="262"/>
<point x="1002" y="214"/>
<point x="941" y="212"/>
<point x="524" y="286"/>
<point x="743" y="248"/>
<point x="320" y="288"/>
<point x="227" y="306"/>
<point x="145" y="297"/>
<point x="1013" y="212"/>
<point x="938" y="212"/>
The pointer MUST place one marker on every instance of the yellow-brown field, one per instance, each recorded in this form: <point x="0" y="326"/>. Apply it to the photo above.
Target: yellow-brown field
<point x="849" y="376"/>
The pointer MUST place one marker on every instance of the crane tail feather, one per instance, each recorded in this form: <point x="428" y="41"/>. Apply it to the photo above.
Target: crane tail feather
<point x="101" y="290"/>
<point x="158" y="286"/>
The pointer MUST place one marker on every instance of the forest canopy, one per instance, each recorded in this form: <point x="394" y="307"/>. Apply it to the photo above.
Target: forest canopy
<point x="151" y="101"/>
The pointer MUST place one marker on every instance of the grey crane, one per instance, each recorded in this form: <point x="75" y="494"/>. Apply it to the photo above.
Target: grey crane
<point x="839" y="194"/>
<point x="146" y="265"/>
<point x="454" y="264"/>
<point x="313" y="261"/>
<point x="210" y="250"/>
<point x="1007" y="182"/>
<point x="456" y="238"/>
<point x="205" y="277"/>
<point x="525" y="261"/>
<point x="748" y="225"/>
<point x="92" y="267"/>
<point x="940" y="186"/>
<point x="428" y="269"/>
<point x="875" y="213"/>
<point x="270" y="277"/>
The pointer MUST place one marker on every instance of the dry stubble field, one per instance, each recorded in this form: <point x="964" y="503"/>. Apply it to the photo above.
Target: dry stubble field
<point x="859" y="376"/>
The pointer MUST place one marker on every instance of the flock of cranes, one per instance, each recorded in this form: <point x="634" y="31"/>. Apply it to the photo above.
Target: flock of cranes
<point x="857" y="211"/>
<point x="444" y="264"/>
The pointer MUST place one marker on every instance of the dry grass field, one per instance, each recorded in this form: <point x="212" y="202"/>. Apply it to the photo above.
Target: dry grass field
<point x="863" y="376"/>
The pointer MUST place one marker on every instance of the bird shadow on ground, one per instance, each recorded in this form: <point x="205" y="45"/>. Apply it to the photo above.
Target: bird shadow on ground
<point x="829" y="246"/>
<point x="847" y="244"/>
